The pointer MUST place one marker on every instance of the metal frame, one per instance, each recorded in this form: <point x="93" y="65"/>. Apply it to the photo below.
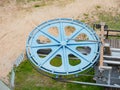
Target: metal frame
<point x="105" y="84"/>
<point x="107" y="34"/>
<point x="93" y="84"/>
<point x="63" y="45"/>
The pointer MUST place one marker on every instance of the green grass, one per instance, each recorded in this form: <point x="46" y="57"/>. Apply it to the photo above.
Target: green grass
<point x="112" y="21"/>
<point x="110" y="17"/>
<point x="28" y="1"/>
<point x="57" y="62"/>
<point x="36" y="5"/>
<point x="27" y="78"/>
<point x="74" y="62"/>
<point x="97" y="7"/>
<point x="41" y="3"/>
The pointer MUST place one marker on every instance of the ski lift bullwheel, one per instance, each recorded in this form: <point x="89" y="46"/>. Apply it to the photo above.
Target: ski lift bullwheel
<point x="64" y="39"/>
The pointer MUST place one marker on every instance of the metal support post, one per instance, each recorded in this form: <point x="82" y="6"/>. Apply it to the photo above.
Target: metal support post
<point x="102" y="46"/>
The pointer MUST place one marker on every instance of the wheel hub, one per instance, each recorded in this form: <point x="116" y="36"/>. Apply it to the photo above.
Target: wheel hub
<point x="63" y="43"/>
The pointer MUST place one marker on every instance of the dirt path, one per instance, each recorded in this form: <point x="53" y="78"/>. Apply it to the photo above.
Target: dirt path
<point x="16" y="24"/>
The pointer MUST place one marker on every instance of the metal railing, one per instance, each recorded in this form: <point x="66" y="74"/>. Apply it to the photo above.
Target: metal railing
<point x="18" y="61"/>
<point x="113" y="35"/>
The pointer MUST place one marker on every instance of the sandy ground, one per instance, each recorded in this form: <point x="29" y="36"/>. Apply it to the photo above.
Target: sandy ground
<point x="16" y="24"/>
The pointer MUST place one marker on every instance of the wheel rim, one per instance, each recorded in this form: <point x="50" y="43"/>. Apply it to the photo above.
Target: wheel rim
<point x="64" y="46"/>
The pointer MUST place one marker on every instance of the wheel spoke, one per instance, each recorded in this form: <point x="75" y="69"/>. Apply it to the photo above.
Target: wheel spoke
<point x="49" y="36"/>
<point x="65" y="60"/>
<point x="78" y="54"/>
<point x="44" y="46"/>
<point x="50" y="56"/>
<point x="77" y="32"/>
<point x="83" y="43"/>
<point x="62" y="32"/>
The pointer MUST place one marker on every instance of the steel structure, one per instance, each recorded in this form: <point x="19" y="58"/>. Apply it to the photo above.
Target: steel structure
<point x="63" y="45"/>
<point x="71" y="46"/>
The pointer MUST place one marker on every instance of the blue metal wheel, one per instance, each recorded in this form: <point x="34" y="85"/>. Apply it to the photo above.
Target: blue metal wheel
<point x="78" y="41"/>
